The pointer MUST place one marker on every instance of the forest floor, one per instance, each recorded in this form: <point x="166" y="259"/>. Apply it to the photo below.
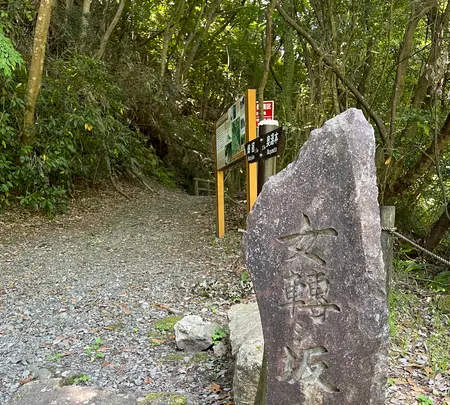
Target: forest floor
<point x="83" y="295"/>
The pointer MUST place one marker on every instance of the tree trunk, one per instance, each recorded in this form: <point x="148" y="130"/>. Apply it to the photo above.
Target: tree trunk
<point x="109" y="31"/>
<point x="195" y="47"/>
<point x="438" y="23"/>
<point x="438" y="230"/>
<point x="400" y="76"/>
<point x="334" y="46"/>
<point x="178" y="72"/>
<point x="168" y="32"/>
<point x="84" y="18"/>
<point x="423" y="164"/>
<point x="289" y="67"/>
<point x="68" y="10"/>
<point x="36" y="69"/>
<point x="267" y="55"/>
<point x="368" y="61"/>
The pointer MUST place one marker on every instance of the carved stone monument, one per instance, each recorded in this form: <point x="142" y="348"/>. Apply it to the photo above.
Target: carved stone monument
<point x="313" y="249"/>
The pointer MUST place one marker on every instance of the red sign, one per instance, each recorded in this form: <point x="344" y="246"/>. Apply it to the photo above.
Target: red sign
<point x="268" y="111"/>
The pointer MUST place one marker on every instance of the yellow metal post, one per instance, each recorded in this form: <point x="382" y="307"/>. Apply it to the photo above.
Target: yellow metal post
<point x="250" y="134"/>
<point x="220" y="199"/>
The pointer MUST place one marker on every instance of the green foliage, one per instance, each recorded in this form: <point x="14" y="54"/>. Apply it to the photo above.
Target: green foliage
<point x="82" y="133"/>
<point x="164" y="397"/>
<point x="77" y="379"/>
<point x="424" y="400"/>
<point x="94" y="351"/>
<point x="218" y="335"/>
<point x="9" y="57"/>
<point x="83" y="125"/>
<point x="165" y="176"/>
<point x="411" y="320"/>
<point x="82" y="379"/>
<point x="398" y="302"/>
<point x="409" y="265"/>
<point x="441" y="282"/>
<point x="56" y="357"/>
<point x="438" y="344"/>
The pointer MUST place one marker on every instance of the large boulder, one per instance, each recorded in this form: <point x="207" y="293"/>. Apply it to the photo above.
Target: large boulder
<point x="247" y="345"/>
<point x="193" y="334"/>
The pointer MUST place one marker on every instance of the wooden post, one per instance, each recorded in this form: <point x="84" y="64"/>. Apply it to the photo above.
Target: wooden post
<point x="270" y="167"/>
<point x="196" y="187"/>
<point x="250" y="134"/>
<point x="387" y="218"/>
<point x="265" y="170"/>
<point x="220" y="199"/>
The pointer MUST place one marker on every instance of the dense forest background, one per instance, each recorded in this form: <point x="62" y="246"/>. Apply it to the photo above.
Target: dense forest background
<point x="96" y="90"/>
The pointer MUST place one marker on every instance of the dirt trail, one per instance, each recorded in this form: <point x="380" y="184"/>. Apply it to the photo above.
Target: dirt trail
<point x="81" y="294"/>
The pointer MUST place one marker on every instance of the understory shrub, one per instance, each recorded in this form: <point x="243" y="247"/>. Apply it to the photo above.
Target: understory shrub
<point x="81" y="133"/>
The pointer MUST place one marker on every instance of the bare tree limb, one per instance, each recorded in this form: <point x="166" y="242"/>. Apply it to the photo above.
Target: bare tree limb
<point x="402" y="66"/>
<point x="153" y="35"/>
<point x="109" y="31"/>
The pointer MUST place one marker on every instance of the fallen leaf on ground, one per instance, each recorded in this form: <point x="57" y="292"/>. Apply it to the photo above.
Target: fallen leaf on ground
<point x="214" y="387"/>
<point x="26" y="380"/>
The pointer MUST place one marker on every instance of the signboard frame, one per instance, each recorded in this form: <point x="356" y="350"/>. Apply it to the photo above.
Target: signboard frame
<point x="231" y="135"/>
<point x="231" y="131"/>
<point x="247" y="115"/>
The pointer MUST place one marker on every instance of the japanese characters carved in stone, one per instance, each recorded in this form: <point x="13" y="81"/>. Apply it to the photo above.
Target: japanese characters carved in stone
<point x="313" y="249"/>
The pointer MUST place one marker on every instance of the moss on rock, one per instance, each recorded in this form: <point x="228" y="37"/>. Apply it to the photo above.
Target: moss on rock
<point x="444" y="303"/>
<point x="166" y="324"/>
<point x="164" y="398"/>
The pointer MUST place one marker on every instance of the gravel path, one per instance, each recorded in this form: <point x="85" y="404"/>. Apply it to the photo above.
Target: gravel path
<point x="81" y="294"/>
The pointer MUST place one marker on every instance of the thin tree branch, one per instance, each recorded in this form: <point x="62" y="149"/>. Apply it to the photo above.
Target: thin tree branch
<point x="423" y="163"/>
<point x="109" y="31"/>
<point x="153" y="35"/>
<point x="359" y="97"/>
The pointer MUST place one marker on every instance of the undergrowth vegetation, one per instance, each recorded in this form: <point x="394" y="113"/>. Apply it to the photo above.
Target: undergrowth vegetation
<point x="419" y="323"/>
<point x="82" y="134"/>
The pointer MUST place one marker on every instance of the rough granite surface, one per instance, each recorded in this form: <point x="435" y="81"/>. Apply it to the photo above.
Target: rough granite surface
<point x="246" y="338"/>
<point x="313" y="249"/>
